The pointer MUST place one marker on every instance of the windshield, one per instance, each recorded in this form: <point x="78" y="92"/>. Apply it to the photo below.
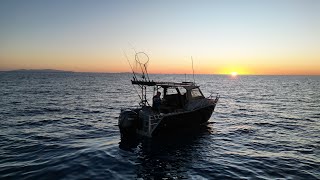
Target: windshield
<point x="196" y="93"/>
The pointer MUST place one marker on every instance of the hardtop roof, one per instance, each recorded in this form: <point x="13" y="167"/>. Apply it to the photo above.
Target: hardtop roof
<point x="165" y="84"/>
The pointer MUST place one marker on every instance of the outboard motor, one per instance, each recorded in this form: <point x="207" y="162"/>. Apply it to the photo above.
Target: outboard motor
<point x="128" y="122"/>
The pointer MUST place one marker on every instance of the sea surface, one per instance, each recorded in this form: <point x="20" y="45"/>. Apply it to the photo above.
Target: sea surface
<point x="64" y="126"/>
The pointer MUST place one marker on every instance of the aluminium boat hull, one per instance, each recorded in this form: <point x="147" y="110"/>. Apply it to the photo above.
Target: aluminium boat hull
<point x="173" y="123"/>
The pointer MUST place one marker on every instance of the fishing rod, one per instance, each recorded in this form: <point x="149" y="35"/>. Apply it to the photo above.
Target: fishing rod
<point x="143" y="66"/>
<point x="134" y="75"/>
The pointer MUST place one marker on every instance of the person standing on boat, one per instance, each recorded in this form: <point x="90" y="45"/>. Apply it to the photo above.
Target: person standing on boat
<point x="156" y="101"/>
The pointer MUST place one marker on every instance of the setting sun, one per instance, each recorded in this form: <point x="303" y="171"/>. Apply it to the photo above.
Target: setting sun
<point x="234" y="74"/>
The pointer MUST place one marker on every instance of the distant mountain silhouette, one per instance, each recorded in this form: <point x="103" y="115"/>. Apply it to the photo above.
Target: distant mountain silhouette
<point x="40" y="70"/>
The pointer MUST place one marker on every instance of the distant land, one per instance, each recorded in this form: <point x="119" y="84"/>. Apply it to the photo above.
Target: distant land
<point x="40" y="70"/>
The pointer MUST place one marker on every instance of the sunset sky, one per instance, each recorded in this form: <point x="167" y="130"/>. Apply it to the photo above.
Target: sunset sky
<point x="222" y="36"/>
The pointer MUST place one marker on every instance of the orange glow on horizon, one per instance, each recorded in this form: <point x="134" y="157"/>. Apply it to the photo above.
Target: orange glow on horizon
<point x="235" y="70"/>
<point x="118" y="64"/>
<point x="162" y="69"/>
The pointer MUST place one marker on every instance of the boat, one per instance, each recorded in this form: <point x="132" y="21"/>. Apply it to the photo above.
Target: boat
<point x="182" y="105"/>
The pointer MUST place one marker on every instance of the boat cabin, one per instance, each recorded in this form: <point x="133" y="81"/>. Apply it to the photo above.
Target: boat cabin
<point x="175" y="96"/>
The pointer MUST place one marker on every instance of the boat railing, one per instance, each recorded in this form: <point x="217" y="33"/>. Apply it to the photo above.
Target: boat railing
<point x="213" y="95"/>
<point x="154" y="120"/>
<point x="217" y="98"/>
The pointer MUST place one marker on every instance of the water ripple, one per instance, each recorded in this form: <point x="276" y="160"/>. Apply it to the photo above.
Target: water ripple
<point x="64" y="126"/>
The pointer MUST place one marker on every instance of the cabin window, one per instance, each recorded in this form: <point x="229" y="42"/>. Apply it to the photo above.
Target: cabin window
<point x="182" y="90"/>
<point x="196" y="93"/>
<point x="171" y="91"/>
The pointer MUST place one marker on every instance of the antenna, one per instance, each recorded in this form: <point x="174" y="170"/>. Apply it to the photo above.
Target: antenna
<point x="193" y="70"/>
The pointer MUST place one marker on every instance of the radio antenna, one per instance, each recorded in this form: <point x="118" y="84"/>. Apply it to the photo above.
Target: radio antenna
<point x="193" y="70"/>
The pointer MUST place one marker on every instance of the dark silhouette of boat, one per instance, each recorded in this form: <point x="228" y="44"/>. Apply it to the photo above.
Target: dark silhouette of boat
<point x="183" y="105"/>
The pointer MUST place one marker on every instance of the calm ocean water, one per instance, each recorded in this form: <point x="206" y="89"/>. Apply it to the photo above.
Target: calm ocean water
<point x="64" y="126"/>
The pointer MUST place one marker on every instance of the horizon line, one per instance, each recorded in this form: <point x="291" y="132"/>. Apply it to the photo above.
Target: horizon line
<point x="124" y="72"/>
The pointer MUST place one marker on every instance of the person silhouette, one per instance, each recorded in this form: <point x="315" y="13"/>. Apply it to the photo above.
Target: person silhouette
<point x="156" y="102"/>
